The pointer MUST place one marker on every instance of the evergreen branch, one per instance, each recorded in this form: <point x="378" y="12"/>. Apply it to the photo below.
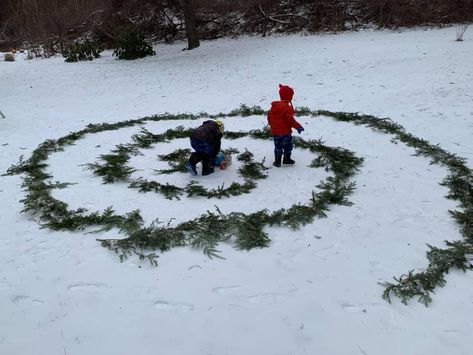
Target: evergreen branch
<point x="248" y="230"/>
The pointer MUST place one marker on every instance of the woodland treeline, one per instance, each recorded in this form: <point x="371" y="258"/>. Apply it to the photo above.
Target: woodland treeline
<point x="54" y="23"/>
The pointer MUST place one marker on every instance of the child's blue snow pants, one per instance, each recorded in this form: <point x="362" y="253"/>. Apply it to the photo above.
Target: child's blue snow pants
<point x="282" y="144"/>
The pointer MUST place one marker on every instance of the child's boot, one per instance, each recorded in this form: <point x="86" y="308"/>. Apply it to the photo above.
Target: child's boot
<point x="287" y="159"/>
<point x="191" y="163"/>
<point x="207" y="168"/>
<point x="277" y="160"/>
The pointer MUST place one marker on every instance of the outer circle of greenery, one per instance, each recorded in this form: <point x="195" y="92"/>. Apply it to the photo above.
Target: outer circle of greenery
<point x="205" y="231"/>
<point x="209" y="229"/>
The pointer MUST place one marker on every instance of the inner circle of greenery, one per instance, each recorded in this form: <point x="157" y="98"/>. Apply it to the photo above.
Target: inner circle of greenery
<point x="113" y="167"/>
<point x="211" y="228"/>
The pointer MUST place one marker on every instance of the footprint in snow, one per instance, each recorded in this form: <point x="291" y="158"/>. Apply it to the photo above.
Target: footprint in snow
<point x="86" y="286"/>
<point x="271" y="298"/>
<point x="222" y="291"/>
<point x="24" y="300"/>
<point x="173" y="307"/>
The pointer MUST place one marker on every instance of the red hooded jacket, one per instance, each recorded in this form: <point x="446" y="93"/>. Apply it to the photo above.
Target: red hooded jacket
<point x="281" y="118"/>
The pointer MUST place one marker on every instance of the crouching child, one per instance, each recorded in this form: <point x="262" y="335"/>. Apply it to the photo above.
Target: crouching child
<point x="206" y="141"/>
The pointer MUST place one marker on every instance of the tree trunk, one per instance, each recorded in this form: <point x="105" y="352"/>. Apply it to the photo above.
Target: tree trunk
<point x="188" y="8"/>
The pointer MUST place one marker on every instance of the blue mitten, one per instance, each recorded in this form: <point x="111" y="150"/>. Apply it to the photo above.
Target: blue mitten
<point x="299" y="130"/>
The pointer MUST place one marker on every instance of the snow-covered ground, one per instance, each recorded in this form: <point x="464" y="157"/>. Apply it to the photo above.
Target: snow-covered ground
<point x="314" y="291"/>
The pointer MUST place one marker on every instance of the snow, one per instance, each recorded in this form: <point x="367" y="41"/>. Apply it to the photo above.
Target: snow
<point x="313" y="291"/>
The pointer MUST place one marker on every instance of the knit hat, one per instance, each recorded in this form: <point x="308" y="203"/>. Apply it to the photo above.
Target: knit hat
<point x="285" y="92"/>
<point x="220" y="125"/>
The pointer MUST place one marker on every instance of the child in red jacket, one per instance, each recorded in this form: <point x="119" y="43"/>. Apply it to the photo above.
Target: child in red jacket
<point x="281" y="120"/>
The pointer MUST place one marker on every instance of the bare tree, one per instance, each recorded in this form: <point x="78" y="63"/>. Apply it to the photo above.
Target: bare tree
<point x="189" y="10"/>
<point x="50" y="22"/>
<point x="461" y="29"/>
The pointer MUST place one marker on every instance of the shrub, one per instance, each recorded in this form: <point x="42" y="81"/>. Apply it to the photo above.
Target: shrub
<point x="131" y="44"/>
<point x="85" y="50"/>
<point x="9" y="57"/>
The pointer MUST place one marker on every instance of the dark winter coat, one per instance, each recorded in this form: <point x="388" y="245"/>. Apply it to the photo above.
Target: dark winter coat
<point x="281" y="118"/>
<point x="209" y="133"/>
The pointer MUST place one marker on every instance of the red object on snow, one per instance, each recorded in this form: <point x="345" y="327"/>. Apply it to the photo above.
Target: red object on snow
<point x="286" y="92"/>
<point x="281" y="118"/>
